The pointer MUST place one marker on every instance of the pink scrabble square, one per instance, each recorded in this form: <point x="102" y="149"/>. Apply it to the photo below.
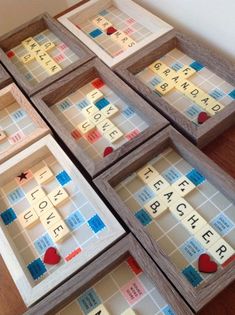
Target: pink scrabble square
<point x="133" y="291"/>
<point x="128" y="31"/>
<point x="93" y="136"/>
<point x="130" y="21"/>
<point x="62" y="46"/>
<point x="59" y="58"/>
<point x="132" y="134"/>
<point x="16" y="137"/>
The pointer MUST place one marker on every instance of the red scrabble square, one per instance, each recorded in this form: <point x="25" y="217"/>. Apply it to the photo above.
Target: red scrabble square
<point x="75" y="134"/>
<point x="98" y="83"/>
<point x="10" y="54"/>
<point x="134" y="265"/>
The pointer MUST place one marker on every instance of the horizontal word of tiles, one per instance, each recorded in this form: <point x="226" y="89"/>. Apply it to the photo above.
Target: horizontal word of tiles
<point x="41" y="56"/>
<point x="113" y="30"/>
<point x="98" y="119"/>
<point x="125" y="290"/>
<point x="183" y="212"/>
<point x="188" y="86"/>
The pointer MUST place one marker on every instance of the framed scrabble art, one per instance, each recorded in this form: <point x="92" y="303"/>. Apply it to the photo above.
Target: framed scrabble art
<point x="181" y="207"/>
<point x="40" y="52"/>
<point x="52" y="222"/>
<point x="112" y="29"/>
<point x="122" y="281"/>
<point x="188" y="83"/>
<point x="97" y="115"/>
<point x="4" y="77"/>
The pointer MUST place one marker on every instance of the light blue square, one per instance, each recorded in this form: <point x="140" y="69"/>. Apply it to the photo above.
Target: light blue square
<point x="217" y="94"/>
<point x="66" y="104"/>
<point x="167" y="310"/>
<point x="43" y="243"/>
<point x="176" y="65"/>
<point x="193" y="111"/>
<point x="171" y="174"/>
<point x="15" y="195"/>
<point x="154" y="81"/>
<point x="144" y="195"/>
<point x="128" y="112"/>
<point x="222" y="224"/>
<point x="74" y="220"/>
<point x="18" y="115"/>
<point x="82" y="104"/>
<point x="191" y="249"/>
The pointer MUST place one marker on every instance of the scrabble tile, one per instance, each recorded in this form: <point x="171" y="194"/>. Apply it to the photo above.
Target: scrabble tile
<point x="129" y="43"/>
<point x="194" y="222"/>
<point x="58" y="196"/>
<point x="117" y="35"/>
<point x="195" y="94"/>
<point x="2" y="135"/>
<point x="113" y="134"/>
<point x="50" y="218"/>
<point x="158" y="67"/>
<point x="205" y="101"/>
<point x="27" y="58"/>
<point x="94" y="96"/>
<point x="89" y="110"/>
<point x="28" y="218"/>
<point x="86" y="126"/>
<point x="158" y="184"/>
<point x="97" y="118"/>
<point x="155" y="207"/>
<point x="147" y="173"/>
<point x="164" y="87"/>
<point x="59" y="231"/>
<point x="47" y="46"/>
<point x="42" y="206"/>
<point x="110" y="111"/>
<point x="35" y="195"/>
<point x="44" y="175"/>
<point x="169" y="195"/>
<point x="30" y="44"/>
<point x="167" y="73"/>
<point x="105" y="125"/>
<point x="221" y="251"/>
<point x="186" y="72"/>
<point x="184" y="86"/>
<point x="129" y="311"/>
<point x="181" y="208"/>
<point x="99" y="310"/>
<point x="212" y="109"/>
<point x="52" y="67"/>
<point x="183" y="186"/>
<point x="207" y="236"/>
<point x="101" y="22"/>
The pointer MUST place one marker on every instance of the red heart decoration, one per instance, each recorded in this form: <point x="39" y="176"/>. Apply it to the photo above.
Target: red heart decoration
<point x="107" y="151"/>
<point x="202" y="117"/>
<point x="206" y="265"/>
<point x="110" y="30"/>
<point x="51" y="257"/>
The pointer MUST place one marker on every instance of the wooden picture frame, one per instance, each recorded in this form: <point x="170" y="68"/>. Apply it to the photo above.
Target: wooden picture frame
<point x="30" y="290"/>
<point x="197" y="297"/>
<point x="132" y="9"/>
<point x="79" y="78"/>
<point x="32" y="28"/>
<point x="201" y="134"/>
<point x="9" y="95"/>
<point x="99" y="268"/>
<point x="5" y="78"/>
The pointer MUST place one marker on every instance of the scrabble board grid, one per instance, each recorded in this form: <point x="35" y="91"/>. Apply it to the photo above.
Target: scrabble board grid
<point x="163" y="237"/>
<point x="90" y="225"/>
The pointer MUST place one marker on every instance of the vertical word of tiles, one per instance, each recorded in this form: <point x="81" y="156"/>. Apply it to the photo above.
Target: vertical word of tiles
<point x="183" y="212"/>
<point x="98" y="119"/>
<point x="124" y="291"/>
<point x="49" y="218"/>
<point x="113" y="30"/>
<point x="41" y="56"/>
<point x="188" y="86"/>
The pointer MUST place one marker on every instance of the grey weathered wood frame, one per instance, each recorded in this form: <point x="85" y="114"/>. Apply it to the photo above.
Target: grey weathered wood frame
<point x="5" y="78"/>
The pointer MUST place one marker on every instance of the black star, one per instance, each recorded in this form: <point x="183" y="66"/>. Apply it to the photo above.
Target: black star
<point x="22" y="176"/>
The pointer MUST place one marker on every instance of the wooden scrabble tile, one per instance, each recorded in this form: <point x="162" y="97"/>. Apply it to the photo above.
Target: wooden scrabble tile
<point x="125" y="41"/>
<point x="47" y="46"/>
<point x="129" y="311"/>
<point x="58" y="196"/>
<point x="59" y="231"/>
<point x="158" y="184"/>
<point x="28" y="218"/>
<point x="2" y="135"/>
<point x="196" y="94"/>
<point x="212" y="109"/>
<point x="27" y="58"/>
<point x="155" y="206"/>
<point x="35" y="195"/>
<point x="30" y="44"/>
<point x="105" y="125"/>
<point x="147" y="173"/>
<point x="167" y="73"/>
<point x="169" y="195"/>
<point x="50" y="218"/>
<point x="43" y="175"/>
<point x="101" y="22"/>
<point x="94" y="96"/>
<point x="183" y="186"/>
<point x="186" y="72"/>
<point x="52" y="67"/>
<point x="110" y="110"/>
<point x="97" y="118"/>
<point x="129" y="43"/>
<point x="221" y="251"/>
<point x="99" y="310"/>
<point x="42" y="206"/>
<point x="194" y="222"/>
<point x="113" y="134"/>
<point x="164" y="87"/>
<point x="185" y="86"/>
<point x="89" y="110"/>
<point x="205" y="101"/>
<point x="207" y="236"/>
<point x="117" y="35"/>
<point x="181" y="208"/>
<point x="158" y="67"/>
<point x="85" y="126"/>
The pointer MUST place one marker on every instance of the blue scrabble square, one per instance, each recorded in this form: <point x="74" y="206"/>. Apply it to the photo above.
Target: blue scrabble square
<point x="18" y="115"/>
<point x="232" y="94"/>
<point x="144" y="194"/>
<point x="29" y="76"/>
<point x="128" y="111"/>
<point x="74" y="220"/>
<point x="66" y="104"/>
<point x="195" y="177"/>
<point x="102" y="103"/>
<point x="191" y="249"/>
<point x="222" y="224"/>
<point x="16" y="195"/>
<point x="89" y="300"/>
<point x="192" y="276"/>
<point x="143" y="217"/>
<point x="196" y="66"/>
<point x="217" y="94"/>
<point x="43" y="243"/>
<point x="97" y="32"/>
<point x="103" y="13"/>
<point x="63" y="178"/>
<point x="171" y="174"/>
<point x="177" y="65"/>
<point x="82" y="104"/>
<point x="8" y="216"/>
<point x="154" y="81"/>
<point x="96" y="224"/>
<point x="167" y="310"/>
<point x="37" y="268"/>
